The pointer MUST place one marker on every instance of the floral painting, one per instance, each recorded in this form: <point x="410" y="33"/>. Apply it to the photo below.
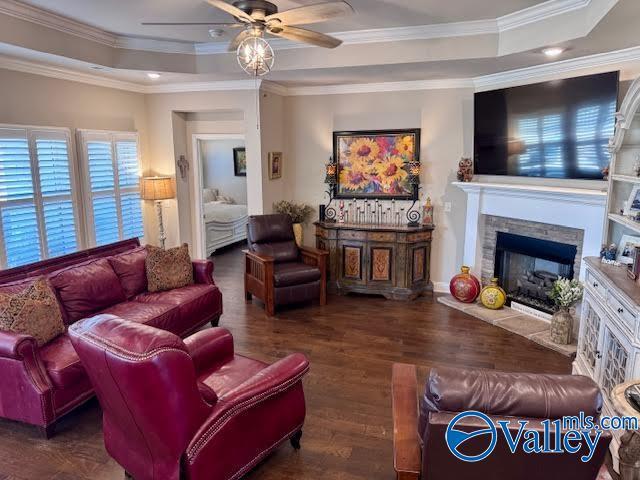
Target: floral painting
<point x="374" y="164"/>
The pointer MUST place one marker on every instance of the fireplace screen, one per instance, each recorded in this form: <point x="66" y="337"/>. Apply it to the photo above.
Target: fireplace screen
<point x="527" y="268"/>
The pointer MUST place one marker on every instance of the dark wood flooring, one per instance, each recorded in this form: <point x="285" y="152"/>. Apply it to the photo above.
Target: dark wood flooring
<point x="351" y="344"/>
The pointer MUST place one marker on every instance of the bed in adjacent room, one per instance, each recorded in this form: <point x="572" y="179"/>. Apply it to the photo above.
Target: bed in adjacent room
<point x="225" y="223"/>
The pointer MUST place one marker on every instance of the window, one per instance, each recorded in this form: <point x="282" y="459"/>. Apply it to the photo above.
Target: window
<point x="38" y="217"/>
<point x="112" y="186"/>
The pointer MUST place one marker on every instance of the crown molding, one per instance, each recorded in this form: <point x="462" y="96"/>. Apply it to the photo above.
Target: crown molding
<point x="62" y="73"/>
<point x="498" y="25"/>
<point x="381" y="87"/>
<point x="540" y="12"/>
<point x="52" y="20"/>
<point x="589" y="64"/>
<point x="596" y="63"/>
<point x="215" y="86"/>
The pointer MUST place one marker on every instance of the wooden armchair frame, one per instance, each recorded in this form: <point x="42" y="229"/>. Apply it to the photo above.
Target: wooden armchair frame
<point x="259" y="281"/>
<point x="407" y="456"/>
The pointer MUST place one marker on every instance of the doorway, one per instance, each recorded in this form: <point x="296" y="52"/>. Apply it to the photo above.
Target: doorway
<point x="220" y="192"/>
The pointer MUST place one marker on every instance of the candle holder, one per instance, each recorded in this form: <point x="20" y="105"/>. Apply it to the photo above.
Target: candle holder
<point x="413" y="216"/>
<point x="331" y="179"/>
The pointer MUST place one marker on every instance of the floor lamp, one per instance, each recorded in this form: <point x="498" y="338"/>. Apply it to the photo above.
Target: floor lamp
<point x="158" y="189"/>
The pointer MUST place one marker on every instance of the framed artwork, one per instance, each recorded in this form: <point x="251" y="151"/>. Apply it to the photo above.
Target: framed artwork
<point x="633" y="203"/>
<point x="374" y="163"/>
<point x="240" y="162"/>
<point x="626" y="250"/>
<point x="275" y="165"/>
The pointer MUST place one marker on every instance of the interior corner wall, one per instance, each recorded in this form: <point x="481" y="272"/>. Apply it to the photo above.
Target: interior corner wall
<point x="29" y="99"/>
<point x="272" y="137"/>
<point x="446" y="120"/>
<point x="167" y="115"/>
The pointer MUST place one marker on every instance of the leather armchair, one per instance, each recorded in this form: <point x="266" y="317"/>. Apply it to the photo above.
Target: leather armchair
<point x="501" y="396"/>
<point x="277" y="271"/>
<point x="187" y="410"/>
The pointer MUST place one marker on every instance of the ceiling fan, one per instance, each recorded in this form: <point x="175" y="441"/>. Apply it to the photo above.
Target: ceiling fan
<point x="259" y="17"/>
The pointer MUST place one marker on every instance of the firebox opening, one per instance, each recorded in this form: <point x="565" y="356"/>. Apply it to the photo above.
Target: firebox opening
<point x="527" y="268"/>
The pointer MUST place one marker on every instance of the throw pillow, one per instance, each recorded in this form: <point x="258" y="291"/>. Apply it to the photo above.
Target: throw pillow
<point x="209" y="195"/>
<point x="33" y="311"/>
<point x="168" y="269"/>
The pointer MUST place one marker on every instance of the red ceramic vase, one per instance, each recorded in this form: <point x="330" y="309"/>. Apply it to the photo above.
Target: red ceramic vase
<point x="464" y="286"/>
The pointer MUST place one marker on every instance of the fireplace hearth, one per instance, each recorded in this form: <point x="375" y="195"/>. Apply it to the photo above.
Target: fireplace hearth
<point x="527" y="268"/>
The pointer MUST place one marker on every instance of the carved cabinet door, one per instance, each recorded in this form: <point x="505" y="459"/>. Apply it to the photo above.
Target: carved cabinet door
<point x="352" y="262"/>
<point x="382" y="264"/>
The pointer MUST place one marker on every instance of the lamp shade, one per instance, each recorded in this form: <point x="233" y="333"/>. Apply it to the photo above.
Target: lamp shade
<point x="157" y="188"/>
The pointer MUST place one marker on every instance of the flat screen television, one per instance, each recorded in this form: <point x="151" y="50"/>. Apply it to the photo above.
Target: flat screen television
<point x="557" y="129"/>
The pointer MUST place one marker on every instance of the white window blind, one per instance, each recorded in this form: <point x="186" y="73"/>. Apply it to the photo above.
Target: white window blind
<point x="112" y="163"/>
<point x="37" y="215"/>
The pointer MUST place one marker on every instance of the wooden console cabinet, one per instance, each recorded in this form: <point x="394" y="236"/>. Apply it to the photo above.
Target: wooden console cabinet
<point x="377" y="259"/>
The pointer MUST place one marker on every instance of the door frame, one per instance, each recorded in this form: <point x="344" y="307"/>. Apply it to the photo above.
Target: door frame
<point x="199" y="232"/>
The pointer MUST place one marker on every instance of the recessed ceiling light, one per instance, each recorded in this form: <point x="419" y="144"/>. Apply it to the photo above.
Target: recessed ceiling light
<point x="153" y="76"/>
<point x="553" y="51"/>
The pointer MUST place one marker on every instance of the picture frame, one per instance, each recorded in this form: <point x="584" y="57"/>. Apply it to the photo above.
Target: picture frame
<point x="626" y="250"/>
<point x="374" y="164"/>
<point x="633" y="269"/>
<point x="275" y="165"/>
<point x="632" y="205"/>
<point x="240" y="162"/>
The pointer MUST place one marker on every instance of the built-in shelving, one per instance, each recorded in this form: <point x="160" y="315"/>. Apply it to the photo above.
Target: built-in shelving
<point x="625" y="222"/>
<point x="622" y="181"/>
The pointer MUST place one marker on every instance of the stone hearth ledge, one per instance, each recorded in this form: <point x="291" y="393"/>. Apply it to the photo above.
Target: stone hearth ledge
<point x="521" y="324"/>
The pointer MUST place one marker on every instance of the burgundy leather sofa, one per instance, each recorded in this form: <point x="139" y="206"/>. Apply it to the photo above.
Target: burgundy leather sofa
<point x="188" y="410"/>
<point x="40" y="384"/>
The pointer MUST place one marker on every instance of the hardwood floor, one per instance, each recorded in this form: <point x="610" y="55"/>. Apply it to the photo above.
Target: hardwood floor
<point x="351" y="344"/>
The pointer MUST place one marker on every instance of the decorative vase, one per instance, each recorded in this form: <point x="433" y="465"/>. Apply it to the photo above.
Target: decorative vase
<point x="493" y="296"/>
<point x="464" y="286"/>
<point x="297" y="233"/>
<point x="562" y="326"/>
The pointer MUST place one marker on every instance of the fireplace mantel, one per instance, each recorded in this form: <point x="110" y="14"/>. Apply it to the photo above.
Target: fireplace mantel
<point x="570" y="207"/>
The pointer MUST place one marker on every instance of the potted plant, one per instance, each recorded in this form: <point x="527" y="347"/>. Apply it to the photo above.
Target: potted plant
<point x="299" y="214"/>
<point x="565" y="294"/>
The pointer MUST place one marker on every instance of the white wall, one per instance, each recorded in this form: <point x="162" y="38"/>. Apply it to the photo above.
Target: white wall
<point x="446" y="120"/>
<point x="218" y="171"/>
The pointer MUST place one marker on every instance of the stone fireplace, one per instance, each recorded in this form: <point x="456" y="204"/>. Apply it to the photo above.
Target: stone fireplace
<point x="528" y="235"/>
<point x="528" y="257"/>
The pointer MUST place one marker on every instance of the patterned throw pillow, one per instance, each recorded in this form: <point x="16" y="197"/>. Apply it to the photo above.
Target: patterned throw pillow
<point x="168" y="269"/>
<point x="34" y="311"/>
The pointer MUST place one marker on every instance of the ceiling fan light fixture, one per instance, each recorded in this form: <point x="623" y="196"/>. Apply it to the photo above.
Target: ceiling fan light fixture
<point x="255" y="56"/>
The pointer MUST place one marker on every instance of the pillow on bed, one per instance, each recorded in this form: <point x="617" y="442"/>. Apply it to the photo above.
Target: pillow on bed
<point x="227" y="200"/>
<point x="209" y="195"/>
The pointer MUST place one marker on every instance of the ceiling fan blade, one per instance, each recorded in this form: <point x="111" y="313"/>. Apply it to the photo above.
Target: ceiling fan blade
<point x="230" y="9"/>
<point x="235" y="43"/>
<point x="212" y="24"/>
<point x="319" y="12"/>
<point x="306" y="36"/>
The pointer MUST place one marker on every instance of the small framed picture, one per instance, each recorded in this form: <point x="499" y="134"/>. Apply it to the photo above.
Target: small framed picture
<point x="240" y="162"/>
<point x="275" y="165"/>
<point x="632" y="205"/>
<point x="634" y="268"/>
<point x="626" y="250"/>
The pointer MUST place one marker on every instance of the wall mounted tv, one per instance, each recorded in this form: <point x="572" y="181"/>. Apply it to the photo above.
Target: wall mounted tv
<point x="557" y="129"/>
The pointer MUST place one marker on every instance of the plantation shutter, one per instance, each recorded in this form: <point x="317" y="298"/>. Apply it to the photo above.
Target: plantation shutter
<point x="112" y="162"/>
<point x="37" y="214"/>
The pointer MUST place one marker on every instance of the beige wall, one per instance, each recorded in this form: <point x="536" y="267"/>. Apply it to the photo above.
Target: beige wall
<point x="273" y="138"/>
<point x="445" y="117"/>
<point x="28" y="99"/>
<point x="169" y="116"/>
